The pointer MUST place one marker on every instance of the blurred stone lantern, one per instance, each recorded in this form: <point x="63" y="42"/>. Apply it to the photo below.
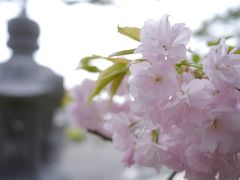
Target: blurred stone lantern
<point x="29" y="96"/>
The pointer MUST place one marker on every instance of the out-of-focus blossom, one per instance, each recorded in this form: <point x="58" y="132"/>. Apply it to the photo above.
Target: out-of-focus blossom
<point x="92" y="115"/>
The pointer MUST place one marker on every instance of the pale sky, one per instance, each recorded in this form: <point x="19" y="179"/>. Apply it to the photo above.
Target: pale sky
<point x="71" y="32"/>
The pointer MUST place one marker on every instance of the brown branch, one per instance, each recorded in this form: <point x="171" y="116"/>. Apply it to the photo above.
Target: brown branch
<point x="172" y="175"/>
<point x="104" y="137"/>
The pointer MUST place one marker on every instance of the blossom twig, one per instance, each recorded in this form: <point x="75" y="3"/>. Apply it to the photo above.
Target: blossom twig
<point x="104" y="137"/>
<point x="191" y="65"/>
<point x="172" y="175"/>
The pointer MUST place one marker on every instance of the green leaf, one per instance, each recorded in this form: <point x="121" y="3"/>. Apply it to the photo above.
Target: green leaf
<point x="107" y="76"/>
<point x="195" y="58"/>
<point x="155" y="135"/>
<point x="216" y="42"/>
<point x="237" y="51"/>
<point x="132" y="32"/>
<point x="116" y="83"/>
<point x="179" y="68"/>
<point x="230" y="48"/>
<point x="120" y="68"/>
<point x="85" y="64"/>
<point x="122" y="53"/>
<point x="213" y="43"/>
<point x="114" y="60"/>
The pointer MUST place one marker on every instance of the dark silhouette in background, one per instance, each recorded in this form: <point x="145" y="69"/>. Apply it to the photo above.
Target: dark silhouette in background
<point x="29" y="95"/>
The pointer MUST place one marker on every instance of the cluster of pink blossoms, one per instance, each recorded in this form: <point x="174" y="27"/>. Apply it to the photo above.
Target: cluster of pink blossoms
<point x="92" y="116"/>
<point x="177" y="120"/>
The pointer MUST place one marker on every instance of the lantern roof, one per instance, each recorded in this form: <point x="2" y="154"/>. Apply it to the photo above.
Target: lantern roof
<point x="23" y="34"/>
<point x="21" y="76"/>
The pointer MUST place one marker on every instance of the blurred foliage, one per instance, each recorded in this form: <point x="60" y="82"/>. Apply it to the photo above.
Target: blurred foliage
<point x="67" y="99"/>
<point x="231" y="18"/>
<point x="75" y="134"/>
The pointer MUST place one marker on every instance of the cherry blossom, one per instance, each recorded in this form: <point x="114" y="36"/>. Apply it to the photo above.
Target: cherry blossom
<point x="161" y="41"/>
<point x="81" y="111"/>
<point x="222" y="69"/>
<point x="178" y="120"/>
